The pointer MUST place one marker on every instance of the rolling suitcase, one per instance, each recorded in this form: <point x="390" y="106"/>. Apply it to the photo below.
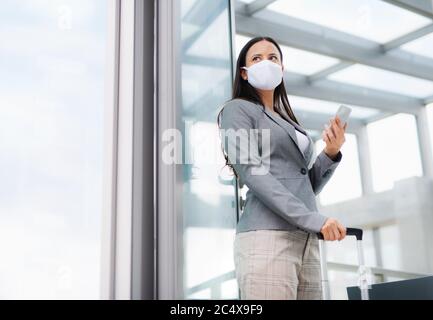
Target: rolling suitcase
<point x="420" y="288"/>
<point x="362" y="271"/>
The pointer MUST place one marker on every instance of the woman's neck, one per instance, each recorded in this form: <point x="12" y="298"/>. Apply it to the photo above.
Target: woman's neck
<point x="268" y="99"/>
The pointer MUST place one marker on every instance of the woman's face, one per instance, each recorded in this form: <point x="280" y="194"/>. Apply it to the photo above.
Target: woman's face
<point x="260" y="51"/>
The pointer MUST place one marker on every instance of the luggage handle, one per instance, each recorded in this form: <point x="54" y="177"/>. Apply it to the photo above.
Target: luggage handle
<point x="349" y="232"/>
<point x="363" y="272"/>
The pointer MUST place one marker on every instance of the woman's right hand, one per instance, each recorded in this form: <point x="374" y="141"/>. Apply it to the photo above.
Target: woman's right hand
<point x="333" y="230"/>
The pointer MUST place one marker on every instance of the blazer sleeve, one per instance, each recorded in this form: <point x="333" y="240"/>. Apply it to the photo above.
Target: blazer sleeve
<point x="322" y="170"/>
<point x="265" y="186"/>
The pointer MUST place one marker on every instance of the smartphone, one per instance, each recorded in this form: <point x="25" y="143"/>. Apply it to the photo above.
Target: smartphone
<point x="343" y="113"/>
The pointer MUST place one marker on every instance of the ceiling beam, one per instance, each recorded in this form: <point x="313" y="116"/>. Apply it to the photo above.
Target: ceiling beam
<point x="256" y="6"/>
<point x="411" y="36"/>
<point x="315" y="38"/>
<point x="428" y="100"/>
<point x="391" y="45"/>
<point x="322" y="74"/>
<point x="378" y="117"/>
<point x="339" y="92"/>
<point x="421" y="7"/>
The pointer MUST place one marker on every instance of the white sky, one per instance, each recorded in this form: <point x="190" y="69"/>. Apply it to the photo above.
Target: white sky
<point x="52" y="62"/>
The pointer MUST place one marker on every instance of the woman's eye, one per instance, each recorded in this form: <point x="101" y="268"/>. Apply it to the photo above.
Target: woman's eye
<point x="274" y="58"/>
<point x="255" y="58"/>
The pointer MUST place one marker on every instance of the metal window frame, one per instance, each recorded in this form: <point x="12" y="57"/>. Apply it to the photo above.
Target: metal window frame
<point x="232" y="15"/>
<point x="169" y="195"/>
<point x="127" y="250"/>
<point x="110" y="153"/>
<point x="143" y="269"/>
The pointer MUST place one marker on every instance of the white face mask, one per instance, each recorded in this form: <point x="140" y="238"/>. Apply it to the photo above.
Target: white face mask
<point x="265" y="75"/>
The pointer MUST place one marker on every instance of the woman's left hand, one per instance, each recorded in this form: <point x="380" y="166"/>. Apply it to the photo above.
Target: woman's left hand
<point x="334" y="137"/>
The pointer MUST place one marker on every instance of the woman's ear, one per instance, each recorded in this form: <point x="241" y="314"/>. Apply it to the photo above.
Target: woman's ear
<point x="244" y="74"/>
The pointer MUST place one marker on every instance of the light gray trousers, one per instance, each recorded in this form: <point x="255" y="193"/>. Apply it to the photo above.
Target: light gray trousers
<point x="277" y="264"/>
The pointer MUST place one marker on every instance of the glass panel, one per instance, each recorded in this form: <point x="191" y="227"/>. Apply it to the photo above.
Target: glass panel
<point x="52" y="63"/>
<point x="209" y="209"/>
<point x="345" y="183"/>
<point x="390" y="247"/>
<point x="384" y="80"/>
<point x="346" y="250"/>
<point x="394" y="150"/>
<point x="339" y="281"/>
<point x="422" y="46"/>
<point x="295" y="60"/>
<point x="202" y="47"/>
<point x="370" y="19"/>
<point x="301" y="104"/>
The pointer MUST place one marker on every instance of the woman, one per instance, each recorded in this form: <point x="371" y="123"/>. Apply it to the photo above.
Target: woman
<point x="276" y="250"/>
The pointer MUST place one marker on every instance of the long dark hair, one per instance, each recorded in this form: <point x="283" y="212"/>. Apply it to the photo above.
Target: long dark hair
<point x="243" y="90"/>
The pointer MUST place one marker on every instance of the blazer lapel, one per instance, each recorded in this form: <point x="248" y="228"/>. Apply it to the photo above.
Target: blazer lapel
<point x="291" y="132"/>
<point x="308" y="153"/>
<point x="310" y="149"/>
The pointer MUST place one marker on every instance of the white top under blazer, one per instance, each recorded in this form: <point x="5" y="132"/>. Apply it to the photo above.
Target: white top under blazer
<point x="303" y="141"/>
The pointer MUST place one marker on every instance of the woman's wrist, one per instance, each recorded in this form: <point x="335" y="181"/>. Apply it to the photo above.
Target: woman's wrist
<point x="331" y="153"/>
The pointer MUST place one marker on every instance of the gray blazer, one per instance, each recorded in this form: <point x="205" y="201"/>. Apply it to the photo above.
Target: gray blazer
<point x="282" y="195"/>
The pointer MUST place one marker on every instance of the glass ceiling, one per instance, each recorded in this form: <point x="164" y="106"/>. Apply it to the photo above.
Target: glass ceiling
<point x="371" y="19"/>
<point x="374" y="78"/>
<point x="422" y="46"/>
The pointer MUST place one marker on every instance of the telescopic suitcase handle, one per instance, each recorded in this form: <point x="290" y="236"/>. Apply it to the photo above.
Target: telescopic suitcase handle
<point x="349" y="232"/>
<point x="362" y="270"/>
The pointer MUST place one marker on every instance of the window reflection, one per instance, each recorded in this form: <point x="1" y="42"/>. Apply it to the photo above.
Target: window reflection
<point x="208" y="203"/>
